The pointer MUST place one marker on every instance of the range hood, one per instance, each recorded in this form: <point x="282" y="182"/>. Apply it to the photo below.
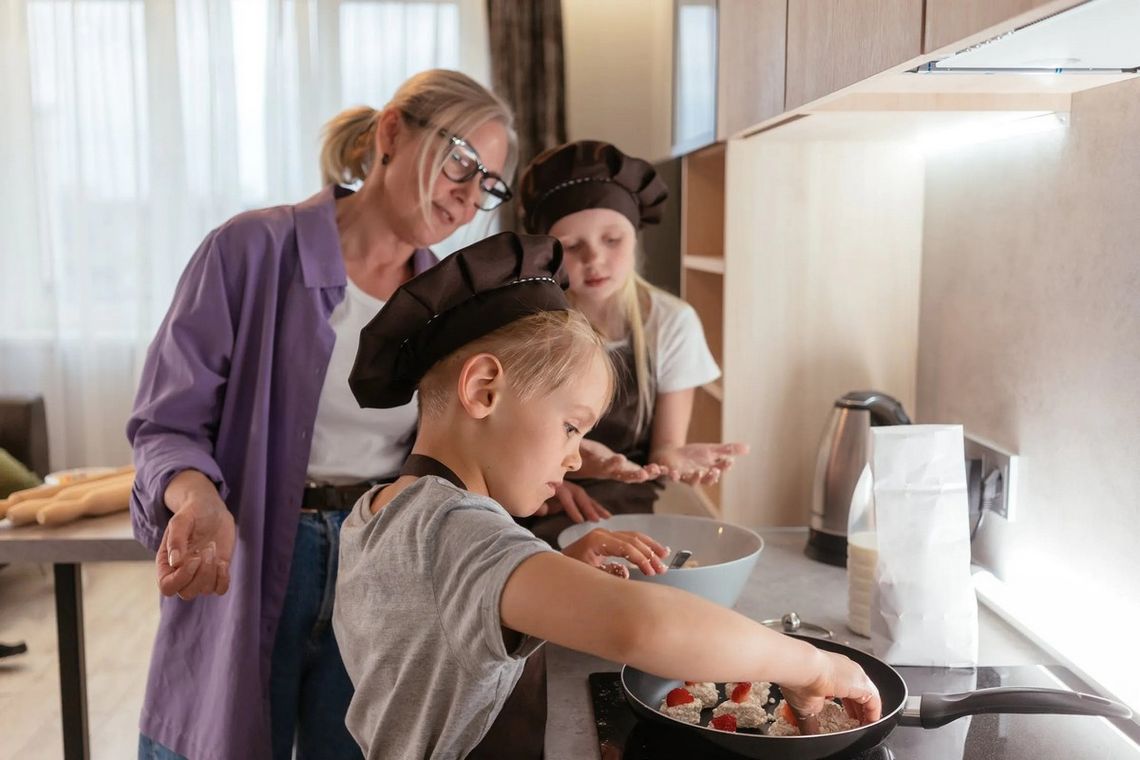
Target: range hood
<point x="1098" y="36"/>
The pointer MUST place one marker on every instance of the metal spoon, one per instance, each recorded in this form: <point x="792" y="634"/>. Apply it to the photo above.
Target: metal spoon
<point x="679" y="559"/>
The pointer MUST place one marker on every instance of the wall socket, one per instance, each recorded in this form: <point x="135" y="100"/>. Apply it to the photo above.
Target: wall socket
<point x="996" y="471"/>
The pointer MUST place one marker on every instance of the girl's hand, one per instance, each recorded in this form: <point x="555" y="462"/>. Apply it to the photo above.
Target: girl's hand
<point x="695" y="463"/>
<point x="578" y="505"/>
<point x="841" y="677"/>
<point x="603" y="463"/>
<point x="600" y="544"/>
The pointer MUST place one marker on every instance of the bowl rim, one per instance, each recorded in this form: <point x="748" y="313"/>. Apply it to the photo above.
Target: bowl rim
<point x="750" y="555"/>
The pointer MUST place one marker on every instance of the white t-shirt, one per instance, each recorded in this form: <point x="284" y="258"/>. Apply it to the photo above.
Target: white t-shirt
<point x="682" y="358"/>
<point x="351" y="444"/>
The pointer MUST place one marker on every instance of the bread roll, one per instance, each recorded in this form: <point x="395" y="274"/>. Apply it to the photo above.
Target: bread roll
<point x="24" y="513"/>
<point x="112" y="497"/>
<point x="45" y="491"/>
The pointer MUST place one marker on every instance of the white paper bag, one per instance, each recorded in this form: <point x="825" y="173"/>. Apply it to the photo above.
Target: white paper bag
<point x="923" y="610"/>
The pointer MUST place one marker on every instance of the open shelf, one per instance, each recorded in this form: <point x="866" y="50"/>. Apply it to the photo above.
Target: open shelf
<point x="702" y="203"/>
<point x="710" y="264"/>
<point x="705" y="427"/>
<point x="702" y="286"/>
<point x="705" y="293"/>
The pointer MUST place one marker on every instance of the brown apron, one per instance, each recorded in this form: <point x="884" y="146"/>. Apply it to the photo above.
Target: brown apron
<point x="617" y="430"/>
<point x="519" y="730"/>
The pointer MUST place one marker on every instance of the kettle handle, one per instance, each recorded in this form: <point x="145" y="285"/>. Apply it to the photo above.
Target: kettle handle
<point x="884" y="409"/>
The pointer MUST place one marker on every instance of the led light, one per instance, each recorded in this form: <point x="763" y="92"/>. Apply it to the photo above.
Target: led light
<point x="1098" y="653"/>
<point x="994" y="127"/>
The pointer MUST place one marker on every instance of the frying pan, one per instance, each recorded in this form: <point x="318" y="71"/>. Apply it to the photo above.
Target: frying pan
<point x="645" y="693"/>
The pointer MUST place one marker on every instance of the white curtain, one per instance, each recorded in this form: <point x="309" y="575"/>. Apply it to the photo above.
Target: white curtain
<point x="130" y="128"/>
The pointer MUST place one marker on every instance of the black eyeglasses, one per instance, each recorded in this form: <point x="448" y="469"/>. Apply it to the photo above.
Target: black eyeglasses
<point x="462" y="164"/>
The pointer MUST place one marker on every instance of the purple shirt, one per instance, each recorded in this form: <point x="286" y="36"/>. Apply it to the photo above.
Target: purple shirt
<point x="230" y="388"/>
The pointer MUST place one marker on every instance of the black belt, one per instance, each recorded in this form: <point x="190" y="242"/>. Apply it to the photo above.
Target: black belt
<point x="330" y="498"/>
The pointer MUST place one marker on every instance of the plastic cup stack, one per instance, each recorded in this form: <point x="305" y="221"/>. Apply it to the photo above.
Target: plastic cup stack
<point x="862" y="556"/>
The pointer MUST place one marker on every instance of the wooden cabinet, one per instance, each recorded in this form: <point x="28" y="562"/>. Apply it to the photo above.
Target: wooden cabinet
<point x="802" y="260"/>
<point x="948" y="21"/>
<point x="835" y="43"/>
<point x="750" y="63"/>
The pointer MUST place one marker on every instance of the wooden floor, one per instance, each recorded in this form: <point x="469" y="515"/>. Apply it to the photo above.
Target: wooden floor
<point x="121" y="615"/>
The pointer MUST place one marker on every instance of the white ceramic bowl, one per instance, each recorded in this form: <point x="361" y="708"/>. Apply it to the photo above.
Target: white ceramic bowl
<point x="726" y="553"/>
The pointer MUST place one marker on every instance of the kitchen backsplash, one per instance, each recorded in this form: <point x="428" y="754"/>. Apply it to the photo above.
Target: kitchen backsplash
<point x="1029" y="335"/>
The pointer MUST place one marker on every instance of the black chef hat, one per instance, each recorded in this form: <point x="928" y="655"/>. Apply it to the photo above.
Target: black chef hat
<point x="589" y="174"/>
<point x="469" y="294"/>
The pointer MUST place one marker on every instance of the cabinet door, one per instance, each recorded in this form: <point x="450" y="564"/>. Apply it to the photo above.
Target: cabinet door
<point x="834" y="43"/>
<point x="750" y="64"/>
<point x="948" y="21"/>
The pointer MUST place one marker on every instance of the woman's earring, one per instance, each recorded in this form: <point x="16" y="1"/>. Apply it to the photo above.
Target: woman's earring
<point x="384" y="159"/>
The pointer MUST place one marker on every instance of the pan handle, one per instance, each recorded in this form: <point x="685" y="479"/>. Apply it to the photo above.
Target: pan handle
<point x="934" y="710"/>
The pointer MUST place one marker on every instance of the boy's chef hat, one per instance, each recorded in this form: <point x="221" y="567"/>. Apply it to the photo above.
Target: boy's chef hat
<point x="589" y="174"/>
<point x="471" y="293"/>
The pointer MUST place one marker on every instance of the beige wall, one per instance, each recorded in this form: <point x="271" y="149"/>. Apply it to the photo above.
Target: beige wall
<point x="1030" y="336"/>
<point x="619" y="73"/>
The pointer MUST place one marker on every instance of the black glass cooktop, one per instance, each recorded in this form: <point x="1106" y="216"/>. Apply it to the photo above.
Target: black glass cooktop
<point x="981" y="737"/>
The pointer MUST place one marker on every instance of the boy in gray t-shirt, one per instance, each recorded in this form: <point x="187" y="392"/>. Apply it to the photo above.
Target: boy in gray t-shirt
<point x="440" y="594"/>
<point x="425" y="575"/>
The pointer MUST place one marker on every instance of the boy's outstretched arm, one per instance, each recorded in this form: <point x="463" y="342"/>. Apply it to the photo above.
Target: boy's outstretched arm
<point x="672" y="634"/>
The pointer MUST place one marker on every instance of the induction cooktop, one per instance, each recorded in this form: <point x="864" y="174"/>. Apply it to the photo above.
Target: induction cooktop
<point x="621" y="736"/>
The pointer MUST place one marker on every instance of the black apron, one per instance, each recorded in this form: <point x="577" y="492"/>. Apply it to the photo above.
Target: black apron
<point x="617" y="430"/>
<point x="519" y="730"/>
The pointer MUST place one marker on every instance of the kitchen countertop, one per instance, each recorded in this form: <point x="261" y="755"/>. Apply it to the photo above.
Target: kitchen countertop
<point x="784" y="580"/>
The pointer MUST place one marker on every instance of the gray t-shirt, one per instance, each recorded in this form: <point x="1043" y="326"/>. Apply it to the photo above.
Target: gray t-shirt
<point x="417" y="619"/>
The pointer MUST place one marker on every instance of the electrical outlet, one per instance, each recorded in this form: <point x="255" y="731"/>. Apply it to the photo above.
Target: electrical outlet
<point x="998" y="476"/>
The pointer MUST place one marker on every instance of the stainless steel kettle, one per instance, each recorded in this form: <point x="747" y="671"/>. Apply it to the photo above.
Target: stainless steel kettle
<point x="844" y="454"/>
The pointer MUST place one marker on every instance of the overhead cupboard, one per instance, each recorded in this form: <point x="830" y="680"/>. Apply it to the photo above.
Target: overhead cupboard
<point x="801" y="222"/>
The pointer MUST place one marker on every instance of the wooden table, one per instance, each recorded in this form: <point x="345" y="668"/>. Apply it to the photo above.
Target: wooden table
<point x="101" y="539"/>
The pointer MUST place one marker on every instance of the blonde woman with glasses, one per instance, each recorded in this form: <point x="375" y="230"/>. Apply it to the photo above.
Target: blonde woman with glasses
<point x="249" y="446"/>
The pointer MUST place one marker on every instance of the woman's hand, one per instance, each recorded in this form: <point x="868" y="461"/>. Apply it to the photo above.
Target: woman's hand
<point x="695" y="463"/>
<point x="603" y="463"/>
<point x="578" y="505"/>
<point x="841" y="677"/>
<point x="194" y="556"/>
<point x="598" y="545"/>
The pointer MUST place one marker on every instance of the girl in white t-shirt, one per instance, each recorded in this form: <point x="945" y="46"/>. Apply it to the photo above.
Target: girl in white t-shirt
<point x="594" y="199"/>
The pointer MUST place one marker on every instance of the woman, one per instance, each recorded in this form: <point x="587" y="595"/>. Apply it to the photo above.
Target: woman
<point x="248" y="444"/>
<point x="594" y="199"/>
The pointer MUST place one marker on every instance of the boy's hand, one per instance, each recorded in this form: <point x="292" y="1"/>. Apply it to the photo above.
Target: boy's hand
<point x="599" y="544"/>
<point x="603" y="463"/>
<point x="839" y="677"/>
<point x="697" y="463"/>
<point x="578" y="505"/>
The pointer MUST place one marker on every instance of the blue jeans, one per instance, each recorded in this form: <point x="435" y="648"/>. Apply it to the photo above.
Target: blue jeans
<point x="149" y="749"/>
<point x="309" y="689"/>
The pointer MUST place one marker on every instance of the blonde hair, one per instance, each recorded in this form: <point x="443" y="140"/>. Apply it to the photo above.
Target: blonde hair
<point x="539" y="354"/>
<point x="630" y="299"/>
<point x="636" y="290"/>
<point x="437" y="99"/>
